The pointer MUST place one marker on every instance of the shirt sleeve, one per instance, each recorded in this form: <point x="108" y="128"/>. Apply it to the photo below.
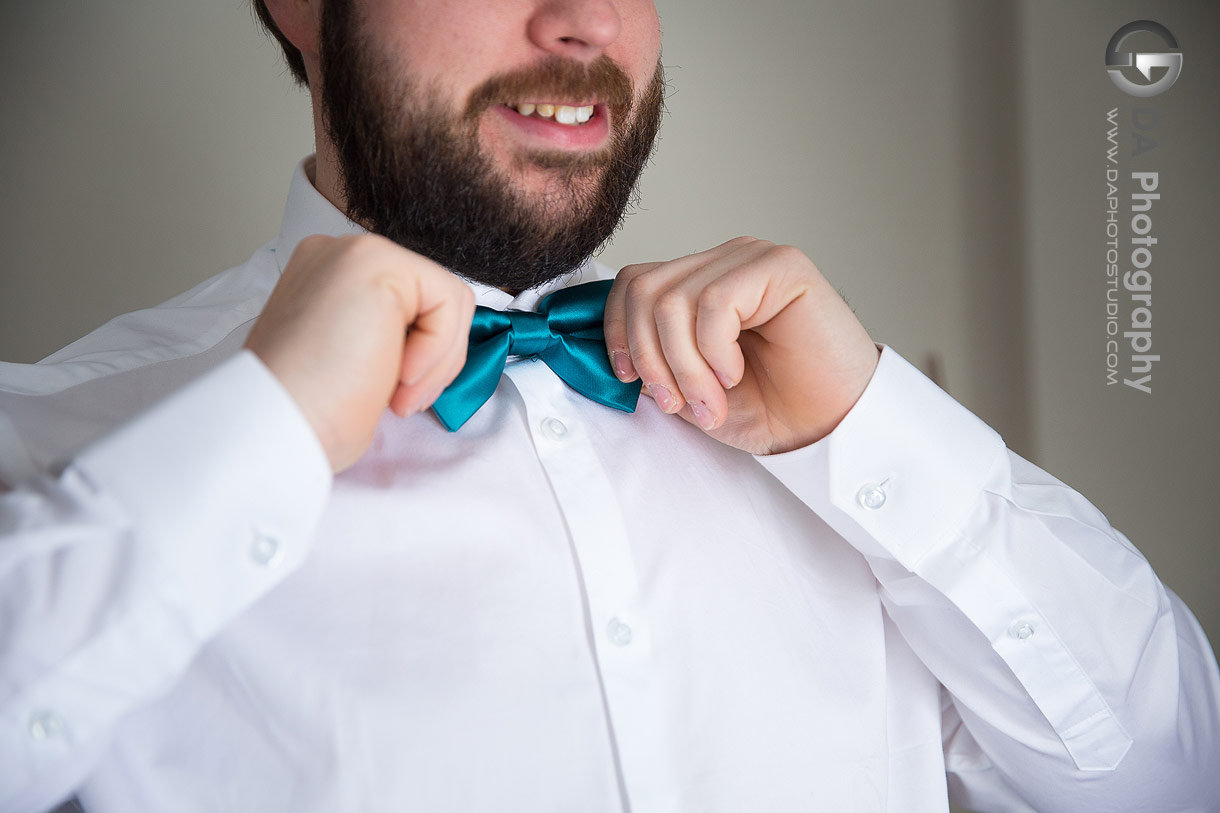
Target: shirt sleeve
<point x="1075" y="680"/>
<point x="114" y="574"/>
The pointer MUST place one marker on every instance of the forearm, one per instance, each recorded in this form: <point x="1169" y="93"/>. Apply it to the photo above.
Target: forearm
<point x="1073" y="668"/>
<point x="115" y="573"/>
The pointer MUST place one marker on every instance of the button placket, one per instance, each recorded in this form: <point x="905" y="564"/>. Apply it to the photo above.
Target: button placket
<point x="620" y="637"/>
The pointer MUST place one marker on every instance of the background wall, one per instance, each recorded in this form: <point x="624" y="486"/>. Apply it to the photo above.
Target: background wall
<point x="1148" y="461"/>
<point x="942" y="162"/>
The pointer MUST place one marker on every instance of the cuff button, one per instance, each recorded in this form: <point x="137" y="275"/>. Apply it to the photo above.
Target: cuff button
<point x="871" y="496"/>
<point x="1022" y="630"/>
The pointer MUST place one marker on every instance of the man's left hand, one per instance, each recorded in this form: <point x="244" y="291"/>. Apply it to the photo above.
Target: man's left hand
<point x="747" y="341"/>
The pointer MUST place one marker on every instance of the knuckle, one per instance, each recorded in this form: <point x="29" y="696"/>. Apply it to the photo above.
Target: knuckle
<point x="313" y="242"/>
<point x="359" y="251"/>
<point x="630" y="272"/>
<point x="635" y="288"/>
<point x="357" y="243"/>
<point x="309" y="251"/>
<point x="640" y="287"/>
<point x="788" y="254"/>
<point x="669" y="306"/>
<point x="714" y="299"/>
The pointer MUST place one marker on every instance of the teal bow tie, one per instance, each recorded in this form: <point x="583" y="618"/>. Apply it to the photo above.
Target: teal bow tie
<point x="566" y="333"/>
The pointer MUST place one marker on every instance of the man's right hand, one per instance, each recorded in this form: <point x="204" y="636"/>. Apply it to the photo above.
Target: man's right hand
<point x="359" y="323"/>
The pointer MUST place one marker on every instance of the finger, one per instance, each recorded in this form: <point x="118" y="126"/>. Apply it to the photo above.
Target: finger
<point x="400" y="403"/>
<point x="677" y="312"/>
<point x="435" y="346"/>
<point x="674" y="316"/>
<point x="614" y="321"/>
<point x="644" y="345"/>
<point x="426" y="346"/>
<point x="421" y="395"/>
<point x="721" y="313"/>
<point x="617" y="345"/>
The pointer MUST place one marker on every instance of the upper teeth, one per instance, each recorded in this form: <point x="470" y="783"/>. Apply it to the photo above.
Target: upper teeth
<point x="562" y="113"/>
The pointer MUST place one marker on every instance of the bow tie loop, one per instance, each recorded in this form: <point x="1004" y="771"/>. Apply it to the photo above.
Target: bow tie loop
<point x="530" y="334"/>
<point x="566" y="333"/>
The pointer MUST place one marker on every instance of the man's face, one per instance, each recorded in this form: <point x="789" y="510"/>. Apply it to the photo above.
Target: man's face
<point x="428" y="106"/>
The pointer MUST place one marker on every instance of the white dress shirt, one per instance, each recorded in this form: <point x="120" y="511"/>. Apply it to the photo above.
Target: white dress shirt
<point x="560" y="607"/>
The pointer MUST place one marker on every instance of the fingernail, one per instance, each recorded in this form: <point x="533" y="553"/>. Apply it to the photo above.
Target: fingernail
<point x="623" y="367"/>
<point x="724" y="380"/>
<point x="663" y="397"/>
<point x="703" y="415"/>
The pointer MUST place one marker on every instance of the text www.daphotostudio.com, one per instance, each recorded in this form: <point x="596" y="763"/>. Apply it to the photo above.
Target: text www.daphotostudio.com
<point x="1130" y="239"/>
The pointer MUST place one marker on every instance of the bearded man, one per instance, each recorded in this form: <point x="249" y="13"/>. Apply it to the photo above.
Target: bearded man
<point x="245" y="567"/>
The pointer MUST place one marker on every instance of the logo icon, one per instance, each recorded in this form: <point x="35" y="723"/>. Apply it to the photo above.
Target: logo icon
<point x="1117" y="59"/>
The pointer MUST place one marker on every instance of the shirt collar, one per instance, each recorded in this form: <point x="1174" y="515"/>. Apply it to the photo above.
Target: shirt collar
<point x="308" y="212"/>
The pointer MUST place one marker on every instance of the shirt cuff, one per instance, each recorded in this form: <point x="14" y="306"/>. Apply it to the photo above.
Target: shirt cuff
<point x="221" y="486"/>
<point x="911" y="477"/>
<point x="901" y="472"/>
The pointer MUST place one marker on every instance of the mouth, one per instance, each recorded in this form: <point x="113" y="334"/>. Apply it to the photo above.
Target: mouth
<point x="561" y="125"/>
<point x="568" y="114"/>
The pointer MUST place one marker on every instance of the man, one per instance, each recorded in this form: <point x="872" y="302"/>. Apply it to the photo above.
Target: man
<point x="797" y="577"/>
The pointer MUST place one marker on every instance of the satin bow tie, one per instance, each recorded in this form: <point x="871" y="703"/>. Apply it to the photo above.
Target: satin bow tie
<point x="565" y="333"/>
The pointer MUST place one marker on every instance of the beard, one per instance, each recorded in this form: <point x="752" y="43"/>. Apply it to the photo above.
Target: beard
<point x="414" y="171"/>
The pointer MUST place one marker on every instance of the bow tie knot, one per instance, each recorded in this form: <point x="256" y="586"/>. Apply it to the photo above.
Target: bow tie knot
<point x="565" y="333"/>
<point x="529" y="334"/>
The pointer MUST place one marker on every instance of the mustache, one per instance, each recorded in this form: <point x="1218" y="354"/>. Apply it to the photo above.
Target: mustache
<point x="556" y="78"/>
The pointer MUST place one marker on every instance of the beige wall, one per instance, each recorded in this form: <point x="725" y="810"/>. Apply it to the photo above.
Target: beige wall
<point x="145" y="145"/>
<point x="1148" y="461"/>
<point x="937" y="160"/>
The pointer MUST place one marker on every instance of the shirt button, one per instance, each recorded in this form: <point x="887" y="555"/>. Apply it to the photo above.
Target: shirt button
<point x="618" y="632"/>
<point x="1021" y="630"/>
<point x="45" y="724"/>
<point x="871" y="496"/>
<point x="554" y="428"/>
<point x="265" y="549"/>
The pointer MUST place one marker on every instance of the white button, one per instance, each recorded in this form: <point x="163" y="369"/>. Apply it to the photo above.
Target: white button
<point x="1021" y="630"/>
<point x="871" y="496"/>
<point x="618" y="632"/>
<point x="45" y="724"/>
<point x="265" y="549"/>
<point x="554" y="428"/>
